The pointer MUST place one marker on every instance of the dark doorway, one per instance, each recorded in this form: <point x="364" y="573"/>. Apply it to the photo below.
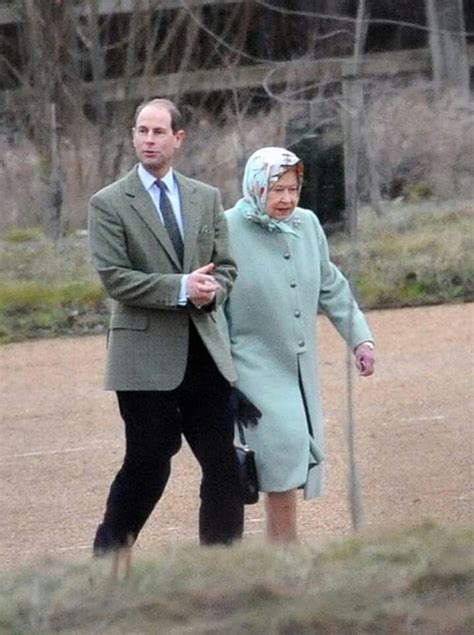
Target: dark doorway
<point x="323" y="188"/>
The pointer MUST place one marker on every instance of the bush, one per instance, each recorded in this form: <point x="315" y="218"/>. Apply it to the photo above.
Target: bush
<point x="422" y="145"/>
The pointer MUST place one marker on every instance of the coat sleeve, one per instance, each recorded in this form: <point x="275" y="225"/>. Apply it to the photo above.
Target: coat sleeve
<point x="226" y="267"/>
<point x="110" y="257"/>
<point x="336" y="299"/>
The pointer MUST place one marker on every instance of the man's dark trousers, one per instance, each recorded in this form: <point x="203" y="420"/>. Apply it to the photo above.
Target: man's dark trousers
<point x="154" y="422"/>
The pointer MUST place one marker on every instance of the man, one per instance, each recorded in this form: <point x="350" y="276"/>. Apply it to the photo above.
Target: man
<point x="159" y="243"/>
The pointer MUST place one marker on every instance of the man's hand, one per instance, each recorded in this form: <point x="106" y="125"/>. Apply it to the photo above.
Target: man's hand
<point x="201" y="286"/>
<point x="365" y="359"/>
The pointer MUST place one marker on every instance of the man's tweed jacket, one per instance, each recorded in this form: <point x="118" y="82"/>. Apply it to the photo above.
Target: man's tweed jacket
<point x="131" y="250"/>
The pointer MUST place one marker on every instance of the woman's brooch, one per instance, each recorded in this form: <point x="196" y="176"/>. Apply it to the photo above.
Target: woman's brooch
<point x="296" y="222"/>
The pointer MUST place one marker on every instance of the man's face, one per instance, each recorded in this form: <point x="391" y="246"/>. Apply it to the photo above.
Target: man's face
<point x="154" y="141"/>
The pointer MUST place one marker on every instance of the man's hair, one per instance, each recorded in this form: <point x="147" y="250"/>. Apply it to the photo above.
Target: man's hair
<point x="176" y="117"/>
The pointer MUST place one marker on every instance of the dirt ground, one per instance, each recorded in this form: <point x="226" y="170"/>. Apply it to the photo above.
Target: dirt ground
<point x="61" y="439"/>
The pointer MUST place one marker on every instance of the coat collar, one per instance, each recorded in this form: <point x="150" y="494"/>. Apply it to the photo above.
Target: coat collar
<point x="191" y="208"/>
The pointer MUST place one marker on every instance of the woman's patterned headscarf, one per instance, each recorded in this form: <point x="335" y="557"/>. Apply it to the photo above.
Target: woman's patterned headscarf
<point x="263" y="169"/>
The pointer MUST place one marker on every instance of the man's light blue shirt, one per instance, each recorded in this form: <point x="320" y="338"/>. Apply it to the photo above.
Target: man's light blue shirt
<point x="149" y="183"/>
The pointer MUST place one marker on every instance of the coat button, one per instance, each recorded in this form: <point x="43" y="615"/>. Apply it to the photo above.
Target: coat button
<point x="286" y="255"/>
<point x="297" y="313"/>
<point x="301" y="343"/>
<point x="292" y="284"/>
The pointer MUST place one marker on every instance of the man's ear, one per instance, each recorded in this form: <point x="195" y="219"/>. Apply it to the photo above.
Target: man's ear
<point x="180" y="136"/>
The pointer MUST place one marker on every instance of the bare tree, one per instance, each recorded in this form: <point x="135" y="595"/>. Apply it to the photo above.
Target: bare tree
<point x="92" y="64"/>
<point x="47" y="69"/>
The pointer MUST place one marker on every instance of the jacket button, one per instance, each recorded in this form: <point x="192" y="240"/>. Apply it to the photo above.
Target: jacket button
<point x="292" y="284"/>
<point x="301" y="343"/>
<point x="286" y="256"/>
<point x="297" y="313"/>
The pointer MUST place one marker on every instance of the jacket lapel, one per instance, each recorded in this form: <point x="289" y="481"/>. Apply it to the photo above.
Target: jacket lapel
<point x="192" y="211"/>
<point x="142" y="205"/>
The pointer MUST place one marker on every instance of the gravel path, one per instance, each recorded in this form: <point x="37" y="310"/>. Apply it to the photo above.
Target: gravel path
<point x="61" y="439"/>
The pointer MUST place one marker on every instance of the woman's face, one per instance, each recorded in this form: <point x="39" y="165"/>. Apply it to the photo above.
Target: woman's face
<point x="283" y="196"/>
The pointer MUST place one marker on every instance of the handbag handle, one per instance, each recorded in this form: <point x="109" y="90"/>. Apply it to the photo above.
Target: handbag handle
<point x="240" y="428"/>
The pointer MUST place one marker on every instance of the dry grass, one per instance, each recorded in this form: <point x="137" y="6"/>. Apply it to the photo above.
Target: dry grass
<point x="416" y="254"/>
<point x="416" y="580"/>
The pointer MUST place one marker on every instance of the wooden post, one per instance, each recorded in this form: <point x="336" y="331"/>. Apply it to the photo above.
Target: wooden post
<point x="353" y="100"/>
<point x="54" y="195"/>
<point x="375" y="196"/>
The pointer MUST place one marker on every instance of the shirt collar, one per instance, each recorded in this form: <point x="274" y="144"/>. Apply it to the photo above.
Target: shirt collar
<point x="148" y="179"/>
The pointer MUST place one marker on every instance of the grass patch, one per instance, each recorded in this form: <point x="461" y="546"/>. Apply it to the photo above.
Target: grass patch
<point x="49" y="289"/>
<point x="23" y="234"/>
<point x="31" y="309"/>
<point x="418" y="579"/>
<point x="29" y="295"/>
<point x="412" y="256"/>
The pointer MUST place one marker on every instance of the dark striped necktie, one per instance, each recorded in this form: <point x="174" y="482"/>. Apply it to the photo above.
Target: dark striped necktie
<point x="169" y="221"/>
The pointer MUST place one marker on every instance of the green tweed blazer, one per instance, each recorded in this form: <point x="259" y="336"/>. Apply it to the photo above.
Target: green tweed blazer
<point x="147" y="344"/>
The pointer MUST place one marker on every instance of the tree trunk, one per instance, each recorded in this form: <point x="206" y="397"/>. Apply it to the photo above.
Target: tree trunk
<point x="52" y="205"/>
<point x="448" y="45"/>
<point x="353" y="97"/>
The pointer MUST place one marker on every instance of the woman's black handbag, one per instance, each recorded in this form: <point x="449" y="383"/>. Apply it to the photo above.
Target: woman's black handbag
<point x="248" y="474"/>
<point x="245" y="414"/>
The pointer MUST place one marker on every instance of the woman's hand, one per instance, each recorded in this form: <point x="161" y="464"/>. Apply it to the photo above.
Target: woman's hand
<point x="243" y="410"/>
<point x="365" y="359"/>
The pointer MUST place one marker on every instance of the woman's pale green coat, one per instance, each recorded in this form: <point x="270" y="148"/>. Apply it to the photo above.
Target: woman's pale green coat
<point x="271" y="318"/>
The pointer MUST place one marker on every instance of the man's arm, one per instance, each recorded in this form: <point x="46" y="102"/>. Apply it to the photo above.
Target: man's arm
<point x="110" y="257"/>
<point x="222" y="269"/>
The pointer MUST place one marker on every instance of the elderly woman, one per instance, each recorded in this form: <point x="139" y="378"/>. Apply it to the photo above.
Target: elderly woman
<point x="285" y="276"/>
